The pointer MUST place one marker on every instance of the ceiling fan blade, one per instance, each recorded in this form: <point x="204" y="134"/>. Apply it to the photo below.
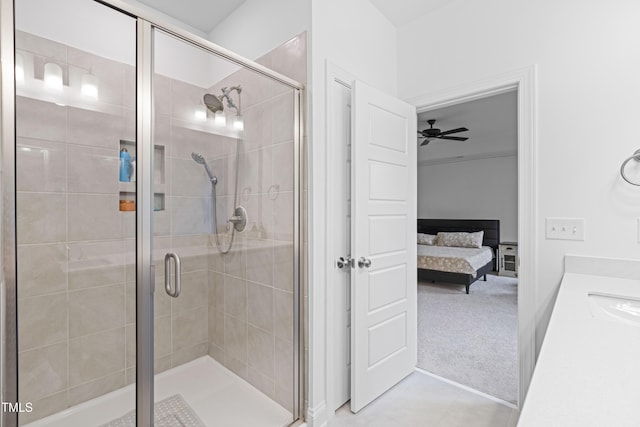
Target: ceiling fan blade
<point x="454" y="138"/>
<point x="447" y="132"/>
<point x="425" y="142"/>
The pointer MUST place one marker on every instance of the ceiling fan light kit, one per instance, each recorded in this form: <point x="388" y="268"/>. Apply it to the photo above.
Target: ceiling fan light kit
<point x="435" y="133"/>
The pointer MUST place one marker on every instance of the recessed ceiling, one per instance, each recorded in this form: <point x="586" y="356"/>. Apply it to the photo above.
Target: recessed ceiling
<point x="492" y="124"/>
<point x="400" y="12"/>
<point x="201" y="14"/>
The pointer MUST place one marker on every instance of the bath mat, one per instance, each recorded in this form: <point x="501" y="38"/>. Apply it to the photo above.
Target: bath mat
<point x="170" y="412"/>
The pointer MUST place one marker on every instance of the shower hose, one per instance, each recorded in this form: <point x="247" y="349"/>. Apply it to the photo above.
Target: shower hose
<point x="214" y="209"/>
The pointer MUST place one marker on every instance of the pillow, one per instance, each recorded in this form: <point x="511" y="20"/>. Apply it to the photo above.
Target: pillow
<point x="426" y="239"/>
<point x="461" y="239"/>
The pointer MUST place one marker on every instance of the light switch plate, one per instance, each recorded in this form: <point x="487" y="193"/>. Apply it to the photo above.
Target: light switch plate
<point x="565" y="228"/>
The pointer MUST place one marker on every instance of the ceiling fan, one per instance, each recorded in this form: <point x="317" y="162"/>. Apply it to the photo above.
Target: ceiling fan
<point x="435" y="133"/>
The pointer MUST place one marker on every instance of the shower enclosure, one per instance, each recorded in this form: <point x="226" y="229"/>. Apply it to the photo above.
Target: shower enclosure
<point x="151" y="237"/>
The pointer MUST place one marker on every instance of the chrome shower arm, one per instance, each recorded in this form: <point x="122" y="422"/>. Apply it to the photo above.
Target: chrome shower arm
<point x="226" y="91"/>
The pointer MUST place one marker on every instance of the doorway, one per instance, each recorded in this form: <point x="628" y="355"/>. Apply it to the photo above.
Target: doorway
<point x="523" y="81"/>
<point x="462" y="181"/>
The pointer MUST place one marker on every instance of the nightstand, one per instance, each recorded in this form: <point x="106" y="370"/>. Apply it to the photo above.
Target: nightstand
<point x="508" y="259"/>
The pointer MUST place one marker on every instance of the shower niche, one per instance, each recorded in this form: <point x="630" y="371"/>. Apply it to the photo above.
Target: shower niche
<point x="128" y="187"/>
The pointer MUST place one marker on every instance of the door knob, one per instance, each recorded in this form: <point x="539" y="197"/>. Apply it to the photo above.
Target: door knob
<point x="343" y="262"/>
<point x="364" y="262"/>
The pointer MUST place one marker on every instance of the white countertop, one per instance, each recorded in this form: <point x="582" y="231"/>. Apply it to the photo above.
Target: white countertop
<point x="588" y="370"/>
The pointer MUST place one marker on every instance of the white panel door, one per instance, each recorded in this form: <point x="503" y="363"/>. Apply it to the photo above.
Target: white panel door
<point x="339" y="280"/>
<point x="383" y="233"/>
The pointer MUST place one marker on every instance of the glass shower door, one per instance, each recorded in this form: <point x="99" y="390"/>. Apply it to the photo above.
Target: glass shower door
<point x="208" y="199"/>
<point x="75" y="207"/>
<point x="225" y="208"/>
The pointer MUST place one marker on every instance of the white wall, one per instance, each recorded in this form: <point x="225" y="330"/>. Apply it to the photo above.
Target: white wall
<point x="182" y="61"/>
<point x="111" y="34"/>
<point x="152" y="14"/>
<point x="258" y="26"/>
<point x="588" y="56"/>
<point x="355" y="36"/>
<point x="474" y="189"/>
<point x="370" y="53"/>
<point x="85" y="25"/>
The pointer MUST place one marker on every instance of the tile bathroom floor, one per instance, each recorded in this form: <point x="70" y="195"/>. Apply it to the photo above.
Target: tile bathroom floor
<point x="426" y="401"/>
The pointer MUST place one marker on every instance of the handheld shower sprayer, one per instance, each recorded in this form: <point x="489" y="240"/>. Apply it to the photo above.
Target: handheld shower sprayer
<point x="200" y="160"/>
<point x="215" y="104"/>
<point x="239" y="218"/>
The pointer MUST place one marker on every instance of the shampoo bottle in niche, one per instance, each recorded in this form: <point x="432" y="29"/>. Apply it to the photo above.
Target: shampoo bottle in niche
<point x="125" y="165"/>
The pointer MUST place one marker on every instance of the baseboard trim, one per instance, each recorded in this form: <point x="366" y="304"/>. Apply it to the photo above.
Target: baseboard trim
<point x="317" y="416"/>
<point x="467" y="388"/>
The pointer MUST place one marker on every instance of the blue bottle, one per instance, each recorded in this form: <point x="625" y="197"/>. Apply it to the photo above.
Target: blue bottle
<point x="125" y="165"/>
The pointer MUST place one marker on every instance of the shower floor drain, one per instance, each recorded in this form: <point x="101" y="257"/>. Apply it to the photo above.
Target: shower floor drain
<point x="170" y="412"/>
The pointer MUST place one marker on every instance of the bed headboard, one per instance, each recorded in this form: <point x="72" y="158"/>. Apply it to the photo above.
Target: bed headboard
<point x="491" y="228"/>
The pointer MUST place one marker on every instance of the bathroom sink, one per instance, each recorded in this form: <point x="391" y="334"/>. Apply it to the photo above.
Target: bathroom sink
<point x="616" y="308"/>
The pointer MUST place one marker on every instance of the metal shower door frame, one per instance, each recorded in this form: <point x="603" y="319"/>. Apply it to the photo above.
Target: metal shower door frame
<point x="147" y="23"/>
<point x="8" y="289"/>
<point x="145" y="280"/>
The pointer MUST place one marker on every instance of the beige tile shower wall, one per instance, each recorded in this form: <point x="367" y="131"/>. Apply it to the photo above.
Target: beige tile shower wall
<point x="184" y="227"/>
<point x="76" y="274"/>
<point x="71" y="236"/>
<point x="251" y="288"/>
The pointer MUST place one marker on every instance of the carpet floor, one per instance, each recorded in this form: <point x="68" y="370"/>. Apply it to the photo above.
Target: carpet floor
<point x="471" y="339"/>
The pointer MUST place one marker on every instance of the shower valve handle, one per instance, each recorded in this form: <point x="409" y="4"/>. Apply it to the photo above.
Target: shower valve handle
<point x="239" y="218"/>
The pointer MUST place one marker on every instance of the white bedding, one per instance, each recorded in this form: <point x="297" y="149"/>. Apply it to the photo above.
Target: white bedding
<point x="454" y="259"/>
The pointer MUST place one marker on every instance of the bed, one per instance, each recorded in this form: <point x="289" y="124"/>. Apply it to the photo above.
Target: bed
<point x="436" y="264"/>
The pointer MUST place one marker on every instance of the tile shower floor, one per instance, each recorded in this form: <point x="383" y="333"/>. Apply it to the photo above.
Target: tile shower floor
<point x="219" y="398"/>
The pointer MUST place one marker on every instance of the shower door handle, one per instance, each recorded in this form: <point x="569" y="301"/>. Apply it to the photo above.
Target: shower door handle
<point x="175" y="293"/>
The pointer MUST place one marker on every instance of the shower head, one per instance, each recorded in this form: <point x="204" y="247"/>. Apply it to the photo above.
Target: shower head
<point x="201" y="161"/>
<point x="213" y="103"/>
<point x="198" y="158"/>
